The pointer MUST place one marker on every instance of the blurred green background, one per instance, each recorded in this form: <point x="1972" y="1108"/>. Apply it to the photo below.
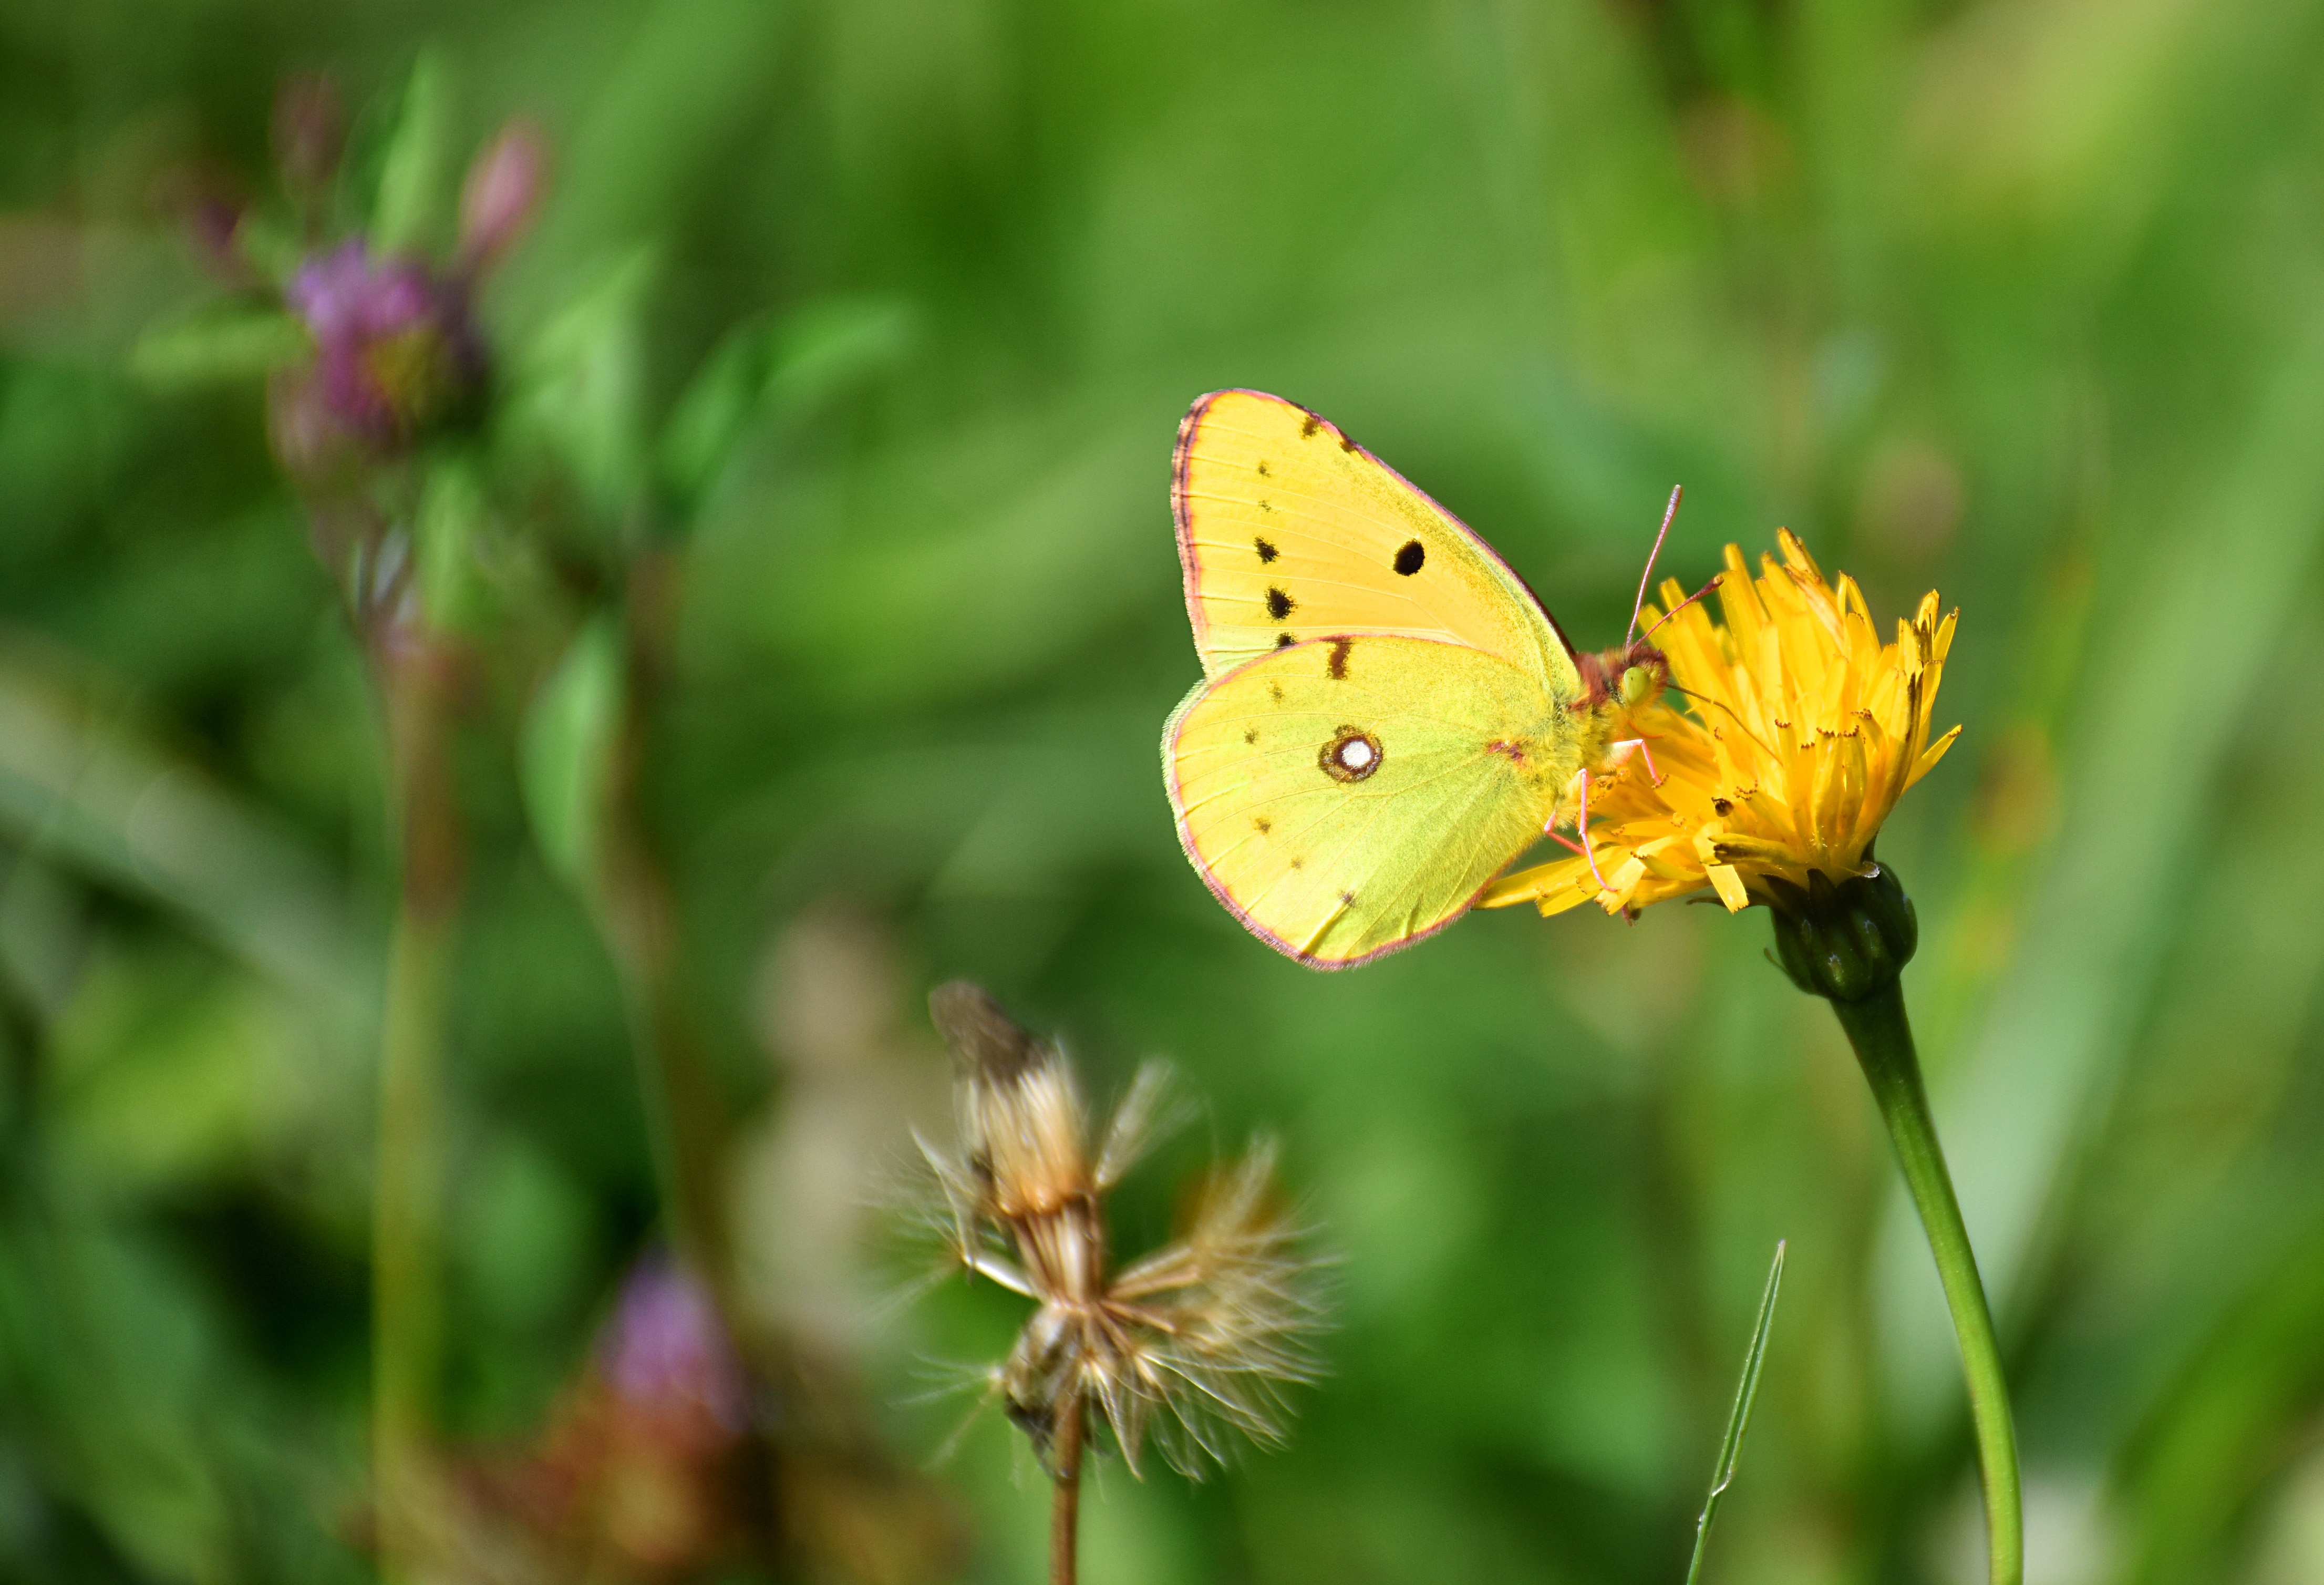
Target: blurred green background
<point x="848" y="348"/>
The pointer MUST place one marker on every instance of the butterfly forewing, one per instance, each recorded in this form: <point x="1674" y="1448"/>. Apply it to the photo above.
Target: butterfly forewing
<point x="1288" y="531"/>
<point x="1346" y="796"/>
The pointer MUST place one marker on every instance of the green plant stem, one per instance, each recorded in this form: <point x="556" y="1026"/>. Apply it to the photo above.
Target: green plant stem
<point x="676" y="1090"/>
<point x="637" y="914"/>
<point x="1882" y="1037"/>
<point x="406" y="1322"/>
<point x="408" y="1189"/>
<point x="1065" y="1513"/>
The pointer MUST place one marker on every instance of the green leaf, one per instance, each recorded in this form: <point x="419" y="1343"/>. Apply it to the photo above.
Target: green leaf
<point x="715" y="409"/>
<point x="580" y="391"/>
<point x="414" y="175"/>
<point x="763" y="371"/>
<point x="270" y="241"/>
<point x="823" y="347"/>
<point x="569" y="740"/>
<point x="102" y="802"/>
<point x="454" y="515"/>
<point x="234" y="341"/>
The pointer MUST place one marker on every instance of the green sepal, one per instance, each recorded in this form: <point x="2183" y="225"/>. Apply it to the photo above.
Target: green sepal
<point x="1846" y="941"/>
<point x="570" y="738"/>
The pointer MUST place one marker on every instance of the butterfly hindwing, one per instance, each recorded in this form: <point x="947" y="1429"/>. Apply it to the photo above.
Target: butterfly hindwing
<point x="1288" y="531"/>
<point x="1353" y="793"/>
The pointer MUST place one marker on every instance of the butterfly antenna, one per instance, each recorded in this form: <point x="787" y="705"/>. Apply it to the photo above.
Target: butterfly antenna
<point x="1648" y="577"/>
<point x="1722" y="705"/>
<point x="1674" y="610"/>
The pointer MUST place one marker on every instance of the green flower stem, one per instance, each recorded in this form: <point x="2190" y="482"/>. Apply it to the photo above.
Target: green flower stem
<point x="1065" y="1506"/>
<point x="406" y="1216"/>
<point x="637" y="914"/>
<point x="1878" y="1027"/>
<point x="407" y="1205"/>
<point x="683" y="1113"/>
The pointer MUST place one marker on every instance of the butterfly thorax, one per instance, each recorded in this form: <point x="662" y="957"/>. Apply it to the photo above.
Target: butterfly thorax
<point x="1615" y="682"/>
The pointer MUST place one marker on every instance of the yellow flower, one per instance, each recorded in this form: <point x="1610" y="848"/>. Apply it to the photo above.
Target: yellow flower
<point x="1801" y="731"/>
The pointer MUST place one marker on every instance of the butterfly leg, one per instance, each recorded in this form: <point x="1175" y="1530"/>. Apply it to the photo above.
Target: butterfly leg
<point x="1618" y="751"/>
<point x="1580" y="829"/>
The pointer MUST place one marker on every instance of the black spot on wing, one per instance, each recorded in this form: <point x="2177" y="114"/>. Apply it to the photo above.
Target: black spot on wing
<point x="1274" y="691"/>
<point x="1266" y="552"/>
<point x="1263" y="472"/>
<point x="1337" y="664"/>
<point x="1261" y="823"/>
<point x="1408" y="559"/>
<point x="1346" y="444"/>
<point x="1308" y="426"/>
<point x="1348" y="898"/>
<point x="1279" y="604"/>
<point x="1252" y="736"/>
<point x="1283" y="641"/>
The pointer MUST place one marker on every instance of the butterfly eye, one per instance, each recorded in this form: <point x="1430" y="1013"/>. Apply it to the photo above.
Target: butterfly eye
<point x="1637" y="685"/>
<point x="1352" y="755"/>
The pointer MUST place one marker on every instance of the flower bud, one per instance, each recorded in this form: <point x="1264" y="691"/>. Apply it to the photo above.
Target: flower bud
<point x="665" y="1352"/>
<point x="309" y="134"/>
<point x="502" y="192"/>
<point x="209" y="216"/>
<point x="1844" y="943"/>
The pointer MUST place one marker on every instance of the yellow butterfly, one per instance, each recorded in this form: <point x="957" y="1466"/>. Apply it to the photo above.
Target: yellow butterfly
<point x="1388" y="716"/>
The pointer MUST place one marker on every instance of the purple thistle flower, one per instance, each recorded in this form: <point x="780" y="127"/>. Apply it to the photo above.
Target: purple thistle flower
<point x="666" y="1349"/>
<point x="395" y="350"/>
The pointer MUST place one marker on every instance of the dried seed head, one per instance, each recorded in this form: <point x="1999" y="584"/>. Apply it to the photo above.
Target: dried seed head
<point x="1022" y="1119"/>
<point x="986" y="1041"/>
<point x="1193" y="1341"/>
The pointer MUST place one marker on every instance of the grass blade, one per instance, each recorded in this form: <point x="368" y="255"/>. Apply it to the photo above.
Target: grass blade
<point x="1730" y="1447"/>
